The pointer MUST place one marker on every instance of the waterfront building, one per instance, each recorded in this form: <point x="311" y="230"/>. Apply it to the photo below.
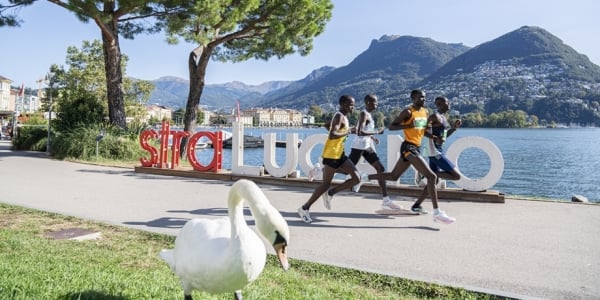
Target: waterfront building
<point x="274" y="117"/>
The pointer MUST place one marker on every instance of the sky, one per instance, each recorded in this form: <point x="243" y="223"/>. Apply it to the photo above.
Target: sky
<point x="28" y="51"/>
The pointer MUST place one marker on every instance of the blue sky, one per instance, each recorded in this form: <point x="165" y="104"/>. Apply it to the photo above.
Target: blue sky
<point x="27" y="52"/>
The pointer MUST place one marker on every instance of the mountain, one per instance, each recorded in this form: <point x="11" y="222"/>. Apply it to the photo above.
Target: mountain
<point x="526" y="46"/>
<point x="173" y="92"/>
<point x="389" y="65"/>
<point x="528" y="70"/>
<point x="296" y="86"/>
<point x="169" y="91"/>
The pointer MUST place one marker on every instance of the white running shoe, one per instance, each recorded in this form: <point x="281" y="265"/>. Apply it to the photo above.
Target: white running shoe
<point x="304" y="215"/>
<point x="390" y="205"/>
<point x="327" y="200"/>
<point x="364" y="177"/>
<point x="442" y="217"/>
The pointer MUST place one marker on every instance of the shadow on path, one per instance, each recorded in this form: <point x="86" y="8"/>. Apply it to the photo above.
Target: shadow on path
<point x="291" y="217"/>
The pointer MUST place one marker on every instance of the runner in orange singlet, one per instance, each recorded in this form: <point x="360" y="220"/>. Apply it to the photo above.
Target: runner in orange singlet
<point x="413" y="120"/>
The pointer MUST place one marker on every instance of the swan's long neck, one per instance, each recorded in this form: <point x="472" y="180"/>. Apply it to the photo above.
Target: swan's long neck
<point x="246" y="191"/>
<point x="265" y="216"/>
<point x="269" y="222"/>
<point x="236" y="213"/>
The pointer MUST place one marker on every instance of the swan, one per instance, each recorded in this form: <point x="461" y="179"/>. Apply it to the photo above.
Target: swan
<point x="224" y="255"/>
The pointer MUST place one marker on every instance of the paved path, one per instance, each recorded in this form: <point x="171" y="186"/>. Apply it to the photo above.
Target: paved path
<point x="521" y="249"/>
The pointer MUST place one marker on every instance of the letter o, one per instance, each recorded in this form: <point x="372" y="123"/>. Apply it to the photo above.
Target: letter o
<point x="493" y="153"/>
<point x="306" y="148"/>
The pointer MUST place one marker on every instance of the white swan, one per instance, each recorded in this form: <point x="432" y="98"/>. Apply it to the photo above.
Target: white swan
<point x="224" y="255"/>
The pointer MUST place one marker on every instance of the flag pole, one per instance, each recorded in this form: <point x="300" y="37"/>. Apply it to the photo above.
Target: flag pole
<point x="21" y="96"/>
<point x="238" y="110"/>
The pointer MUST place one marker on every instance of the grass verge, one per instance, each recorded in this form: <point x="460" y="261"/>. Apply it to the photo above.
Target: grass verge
<point x="124" y="264"/>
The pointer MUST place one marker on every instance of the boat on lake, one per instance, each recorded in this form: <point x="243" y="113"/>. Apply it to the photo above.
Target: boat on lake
<point x="282" y="144"/>
<point x="249" y="142"/>
<point x="203" y="143"/>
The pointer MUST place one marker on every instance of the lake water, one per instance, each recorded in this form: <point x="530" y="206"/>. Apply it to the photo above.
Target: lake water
<point x="546" y="163"/>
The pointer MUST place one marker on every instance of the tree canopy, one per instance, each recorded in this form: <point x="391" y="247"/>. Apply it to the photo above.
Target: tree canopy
<point x="224" y="30"/>
<point x="240" y="30"/>
<point x="79" y="90"/>
<point x="113" y="18"/>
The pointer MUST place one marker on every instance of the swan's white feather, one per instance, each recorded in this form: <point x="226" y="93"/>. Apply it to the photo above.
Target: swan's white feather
<point x="224" y="255"/>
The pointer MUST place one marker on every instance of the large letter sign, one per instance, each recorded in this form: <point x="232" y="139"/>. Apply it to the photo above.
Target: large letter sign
<point x="306" y="148"/>
<point x="217" y="141"/>
<point x="494" y="154"/>
<point x="299" y="157"/>
<point x="158" y="158"/>
<point x="237" y="154"/>
<point x="144" y="137"/>
<point x="291" y="155"/>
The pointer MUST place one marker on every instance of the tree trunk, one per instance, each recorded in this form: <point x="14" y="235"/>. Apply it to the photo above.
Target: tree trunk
<point x="114" y="75"/>
<point x="197" y="69"/>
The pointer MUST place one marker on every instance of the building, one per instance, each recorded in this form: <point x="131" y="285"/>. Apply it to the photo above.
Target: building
<point x="273" y="117"/>
<point x="308" y="119"/>
<point x="246" y="120"/>
<point x="28" y="104"/>
<point x="5" y="94"/>
<point x="207" y="115"/>
<point x="159" y="112"/>
<point x="15" y="100"/>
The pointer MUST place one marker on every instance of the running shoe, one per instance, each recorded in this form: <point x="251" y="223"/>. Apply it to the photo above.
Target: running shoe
<point x="390" y="205"/>
<point x="442" y="217"/>
<point x="419" y="210"/>
<point x="327" y="199"/>
<point x="364" y="177"/>
<point x="304" y="215"/>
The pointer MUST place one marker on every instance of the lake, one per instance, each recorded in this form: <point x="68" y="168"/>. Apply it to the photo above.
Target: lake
<point x="543" y="163"/>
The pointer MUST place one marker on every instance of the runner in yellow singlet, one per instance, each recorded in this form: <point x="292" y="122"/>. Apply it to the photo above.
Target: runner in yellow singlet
<point x="334" y="160"/>
<point x="413" y="120"/>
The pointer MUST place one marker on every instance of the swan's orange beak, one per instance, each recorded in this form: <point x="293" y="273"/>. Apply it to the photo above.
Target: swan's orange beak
<point x="281" y="255"/>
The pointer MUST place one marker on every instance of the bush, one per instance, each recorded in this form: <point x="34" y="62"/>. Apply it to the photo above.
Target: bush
<point x="82" y="111"/>
<point x="80" y="143"/>
<point x="30" y="138"/>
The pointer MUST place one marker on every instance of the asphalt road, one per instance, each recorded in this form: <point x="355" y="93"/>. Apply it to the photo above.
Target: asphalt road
<point x="521" y="249"/>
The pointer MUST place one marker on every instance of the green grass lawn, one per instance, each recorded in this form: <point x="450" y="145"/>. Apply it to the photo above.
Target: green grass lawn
<point x="124" y="264"/>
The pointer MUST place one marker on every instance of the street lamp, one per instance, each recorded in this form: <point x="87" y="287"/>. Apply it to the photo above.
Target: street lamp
<point x="49" y="78"/>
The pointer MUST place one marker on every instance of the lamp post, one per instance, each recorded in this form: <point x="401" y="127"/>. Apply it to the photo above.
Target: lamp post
<point x="49" y="79"/>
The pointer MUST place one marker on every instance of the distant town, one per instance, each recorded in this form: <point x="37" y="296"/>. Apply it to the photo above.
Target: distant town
<point x="17" y="105"/>
<point x="254" y="117"/>
<point x="527" y="82"/>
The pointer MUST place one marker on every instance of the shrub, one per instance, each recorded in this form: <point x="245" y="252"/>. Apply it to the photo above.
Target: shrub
<point x="80" y="143"/>
<point x="30" y="138"/>
<point x="82" y="111"/>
